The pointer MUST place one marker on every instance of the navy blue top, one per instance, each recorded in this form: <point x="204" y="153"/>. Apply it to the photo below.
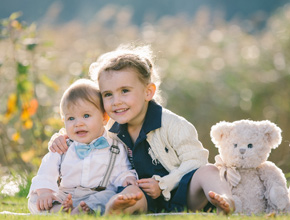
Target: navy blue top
<point x="146" y="166"/>
<point x="143" y="163"/>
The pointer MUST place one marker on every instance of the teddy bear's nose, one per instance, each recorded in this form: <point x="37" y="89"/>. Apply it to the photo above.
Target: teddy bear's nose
<point x="242" y="150"/>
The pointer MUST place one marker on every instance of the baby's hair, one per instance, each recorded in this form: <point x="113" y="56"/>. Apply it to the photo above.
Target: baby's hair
<point x="82" y="89"/>
<point x="139" y="58"/>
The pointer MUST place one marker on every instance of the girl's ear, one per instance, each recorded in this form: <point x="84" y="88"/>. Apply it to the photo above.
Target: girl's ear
<point x="105" y="118"/>
<point x="150" y="91"/>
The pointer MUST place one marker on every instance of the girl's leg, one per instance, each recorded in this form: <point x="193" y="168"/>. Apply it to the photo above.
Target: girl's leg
<point x="129" y="201"/>
<point x="206" y="186"/>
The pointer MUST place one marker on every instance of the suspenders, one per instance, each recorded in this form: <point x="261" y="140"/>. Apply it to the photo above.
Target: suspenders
<point x="114" y="152"/>
<point x="114" y="149"/>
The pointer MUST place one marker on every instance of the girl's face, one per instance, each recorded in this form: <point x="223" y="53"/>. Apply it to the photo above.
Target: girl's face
<point x="84" y="122"/>
<point x="125" y="97"/>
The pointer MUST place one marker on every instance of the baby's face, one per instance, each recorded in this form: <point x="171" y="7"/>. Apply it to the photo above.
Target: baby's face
<point x="84" y="122"/>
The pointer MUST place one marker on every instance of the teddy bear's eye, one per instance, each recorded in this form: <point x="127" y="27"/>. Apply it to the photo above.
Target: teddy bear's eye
<point x="235" y="145"/>
<point x="250" y="146"/>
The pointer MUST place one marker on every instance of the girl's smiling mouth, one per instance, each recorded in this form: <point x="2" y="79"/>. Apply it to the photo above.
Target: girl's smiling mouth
<point x="121" y="110"/>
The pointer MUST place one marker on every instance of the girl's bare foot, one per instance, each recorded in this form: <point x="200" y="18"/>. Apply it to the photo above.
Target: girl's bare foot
<point x="222" y="203"/>
<point x="121" y="202"/>
<point x="68" y="203"/>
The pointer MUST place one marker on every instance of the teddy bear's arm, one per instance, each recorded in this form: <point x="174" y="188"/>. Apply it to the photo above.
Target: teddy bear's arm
<point x="276" y="188"/>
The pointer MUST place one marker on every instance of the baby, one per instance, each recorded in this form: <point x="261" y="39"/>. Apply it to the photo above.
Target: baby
<point x="85" y="177"/>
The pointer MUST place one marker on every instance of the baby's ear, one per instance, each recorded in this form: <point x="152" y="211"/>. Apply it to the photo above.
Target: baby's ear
<point x="220" y="131"/>
<point x="272" y="133"/>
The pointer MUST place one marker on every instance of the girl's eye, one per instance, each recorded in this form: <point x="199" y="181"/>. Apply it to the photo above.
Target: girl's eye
<point x="86" y="115"/>
<point x="70" y="118"/>
<point x="107" y="95"/>
<point x="250" y="145"/>
<point x="235" y="145"/>
<point x="125" y="90"/>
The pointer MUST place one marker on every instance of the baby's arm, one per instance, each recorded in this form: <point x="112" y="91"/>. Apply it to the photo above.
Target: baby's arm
<point x="45" y="199"/>
<point x="123" y="172"/>
<point x="57" y="142"/>
<point x="44" y="185"/>
<point x="129" y="180"/>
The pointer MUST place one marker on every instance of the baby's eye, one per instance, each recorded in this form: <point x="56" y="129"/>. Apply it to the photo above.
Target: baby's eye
<point x="250" y="145"/>
<point x="86" y="115"/>
<point x="235" y="145"/>
<point x="70" y="118"/>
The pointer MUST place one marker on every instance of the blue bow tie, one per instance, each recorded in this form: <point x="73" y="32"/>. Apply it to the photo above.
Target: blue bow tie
<point x="83" y="150"/>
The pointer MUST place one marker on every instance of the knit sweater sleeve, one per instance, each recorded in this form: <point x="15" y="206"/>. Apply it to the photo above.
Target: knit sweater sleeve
<point x="185" y="151"/>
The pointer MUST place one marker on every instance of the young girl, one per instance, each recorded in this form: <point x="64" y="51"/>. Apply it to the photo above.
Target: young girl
<point x="86" y="161"/>
<point x="172" y="165"/>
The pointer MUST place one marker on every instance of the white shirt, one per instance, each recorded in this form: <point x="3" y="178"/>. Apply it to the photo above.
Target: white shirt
<point x="87" y="172"/>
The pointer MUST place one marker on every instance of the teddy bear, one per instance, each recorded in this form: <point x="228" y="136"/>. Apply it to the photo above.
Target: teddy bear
<point x="258" y="186"/>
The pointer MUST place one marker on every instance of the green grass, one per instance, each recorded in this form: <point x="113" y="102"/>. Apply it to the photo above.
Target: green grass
<point x="19" y="205"/>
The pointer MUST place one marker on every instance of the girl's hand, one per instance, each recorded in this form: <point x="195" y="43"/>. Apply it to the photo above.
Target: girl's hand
<point x="150" y="186"/>
<point x="58" y="144"/>
<point x="130" y="180"/>
<point x="45" y="199"/>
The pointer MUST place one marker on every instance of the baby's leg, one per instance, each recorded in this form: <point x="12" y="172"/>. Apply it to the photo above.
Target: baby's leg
<point x="68" y="204"/>
<point x="129" y="201"/>
<point x="82" y="208"/>
<point x="55" y="208"/>
<point x="207" y="186"/>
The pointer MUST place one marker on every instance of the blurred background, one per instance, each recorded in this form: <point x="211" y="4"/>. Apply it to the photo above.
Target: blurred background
<point x="218" y="60"/>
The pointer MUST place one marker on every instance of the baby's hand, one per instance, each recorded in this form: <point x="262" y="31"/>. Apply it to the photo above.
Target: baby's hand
<point x="129" y="180"/>
<point x="58" y="144"/>
<point x="150" y="186"/>
<point x="45" y="198"/>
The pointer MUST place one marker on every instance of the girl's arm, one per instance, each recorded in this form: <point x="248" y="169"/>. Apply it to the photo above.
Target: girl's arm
<point x="150" y="186"/>
<point x="177" y="147"/>
<point x="57" y="142"/>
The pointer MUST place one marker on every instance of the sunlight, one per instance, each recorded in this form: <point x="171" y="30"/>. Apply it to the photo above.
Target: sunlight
<point x="10" y="185"/>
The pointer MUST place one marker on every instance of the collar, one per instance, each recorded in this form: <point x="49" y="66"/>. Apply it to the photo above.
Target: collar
<point x="152" y="120"/>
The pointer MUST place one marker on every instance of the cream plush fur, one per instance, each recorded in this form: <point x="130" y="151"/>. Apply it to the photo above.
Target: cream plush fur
<point x="257" y="185"/>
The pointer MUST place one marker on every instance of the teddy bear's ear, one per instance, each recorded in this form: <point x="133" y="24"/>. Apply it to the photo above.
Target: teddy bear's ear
<point x="272" y="133"/>
<point x="220" y="131"/>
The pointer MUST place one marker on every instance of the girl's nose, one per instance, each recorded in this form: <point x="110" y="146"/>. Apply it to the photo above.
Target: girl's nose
<point x="117" y="101"/>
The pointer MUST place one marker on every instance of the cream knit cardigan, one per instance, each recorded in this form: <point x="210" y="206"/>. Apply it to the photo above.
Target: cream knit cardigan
<point x="176" y="146"/>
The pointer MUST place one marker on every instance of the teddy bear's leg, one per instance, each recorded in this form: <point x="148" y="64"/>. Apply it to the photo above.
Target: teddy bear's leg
<point x="238" y="204"/>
